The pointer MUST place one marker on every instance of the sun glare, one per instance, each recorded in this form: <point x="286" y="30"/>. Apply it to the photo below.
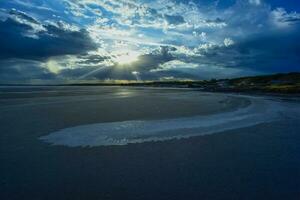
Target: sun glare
<point x="128" y="57"/>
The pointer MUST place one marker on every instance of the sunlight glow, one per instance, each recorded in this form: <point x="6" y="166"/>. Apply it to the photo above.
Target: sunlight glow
<point x="126" y="57"/>
<point x="52" y="66"/>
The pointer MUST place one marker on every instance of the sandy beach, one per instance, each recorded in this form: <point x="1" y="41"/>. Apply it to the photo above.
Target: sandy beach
<point x="142" y="143"/>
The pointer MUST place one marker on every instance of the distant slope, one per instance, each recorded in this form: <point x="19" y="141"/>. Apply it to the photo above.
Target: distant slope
<point x="283" y="83"/>
<point x="277" y="83"/>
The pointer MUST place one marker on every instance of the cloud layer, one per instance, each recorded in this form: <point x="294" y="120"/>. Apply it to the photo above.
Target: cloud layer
<point x="163" y="39"/>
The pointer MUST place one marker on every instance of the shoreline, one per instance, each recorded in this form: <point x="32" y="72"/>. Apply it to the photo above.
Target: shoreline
<point x="258" y="110"/>
<point x="225" y="91"/>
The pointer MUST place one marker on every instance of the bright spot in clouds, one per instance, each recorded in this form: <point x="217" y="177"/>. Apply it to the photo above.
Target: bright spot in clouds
<point x="52" y="66"/>
<point x="126" y="57"/>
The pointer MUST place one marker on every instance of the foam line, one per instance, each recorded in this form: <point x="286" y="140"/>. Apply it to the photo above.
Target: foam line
<point x="122" y="133"/>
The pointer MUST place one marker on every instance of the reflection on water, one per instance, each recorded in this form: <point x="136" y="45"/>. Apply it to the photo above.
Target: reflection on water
<point x="124" y="93"/>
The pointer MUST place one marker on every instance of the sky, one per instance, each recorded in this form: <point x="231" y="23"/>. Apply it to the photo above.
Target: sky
<point x="78" y="40"/>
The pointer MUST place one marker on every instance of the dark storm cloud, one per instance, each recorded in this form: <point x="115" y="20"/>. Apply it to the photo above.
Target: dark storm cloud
<point x="175" y="74"/>
<point x="23" y="16"/>
<point x="20" y="70"/>
<point x="92" y="59"/>
<point x="174" y="19"/>
<point x="216" y="21"/>
<point x="272" y="51"/>
<point x="152" y="60"/>
<point x="291" y="19"/>
<point x="21" y="36"/>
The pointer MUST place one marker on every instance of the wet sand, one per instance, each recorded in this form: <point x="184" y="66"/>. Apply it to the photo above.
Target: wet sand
<point x="258" y="162"/>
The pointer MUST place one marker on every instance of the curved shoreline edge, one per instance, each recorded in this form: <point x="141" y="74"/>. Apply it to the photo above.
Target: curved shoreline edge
<point x="261" y="110"/>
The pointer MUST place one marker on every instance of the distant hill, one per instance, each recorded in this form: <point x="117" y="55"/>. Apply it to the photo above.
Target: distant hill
<point x="278" y="83"/>
<point x="282" y="83"/>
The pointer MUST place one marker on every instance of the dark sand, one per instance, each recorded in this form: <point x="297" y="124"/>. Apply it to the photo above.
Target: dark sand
<point x="259" y="162"/>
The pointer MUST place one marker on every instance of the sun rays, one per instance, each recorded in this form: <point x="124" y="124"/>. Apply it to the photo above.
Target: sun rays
<point x="125" y="57"/>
